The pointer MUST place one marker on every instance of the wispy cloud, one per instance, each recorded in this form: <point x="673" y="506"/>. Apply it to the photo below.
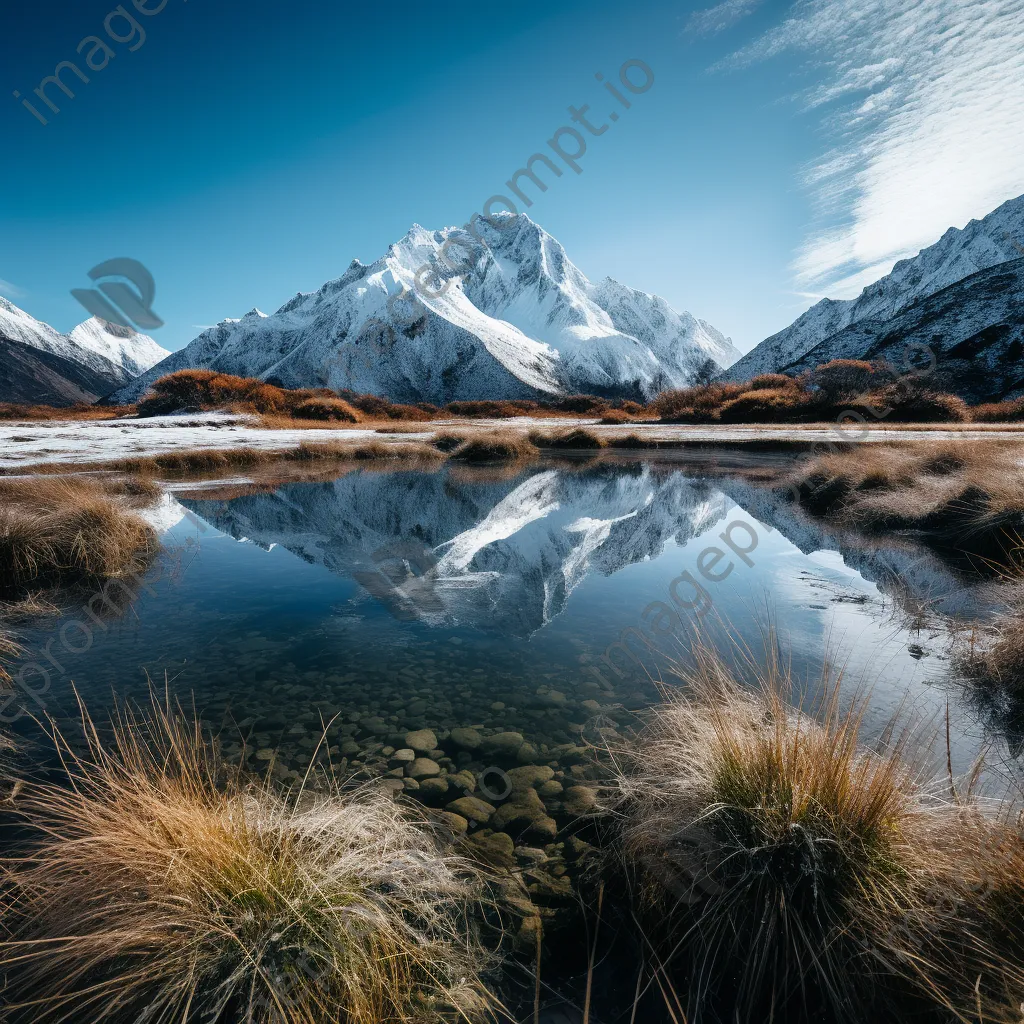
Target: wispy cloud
<point x="922" y="102"/>
<point x="12" y="291"/>
<point x="717" y="19"/>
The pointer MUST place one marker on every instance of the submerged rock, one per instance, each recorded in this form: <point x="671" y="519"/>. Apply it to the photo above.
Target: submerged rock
<point x="423" y="741"/>
<point x="473" y="808"/>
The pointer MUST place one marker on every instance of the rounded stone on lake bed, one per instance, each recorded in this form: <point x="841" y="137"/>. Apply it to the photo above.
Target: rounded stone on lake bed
<point x="404" y="756"/>
<point x="422" y="767"/>
<point x="579" y="800"/>
<point x="529" y="776"/>
<point x="496" y="848"/>
<point x="455" y="823"/>
<point x="472" y="808"/>
<point x="507" y="743"/>
<point x="423" y="741"/>
<point x="466" y="739"/>
<point x="434" y="788"/>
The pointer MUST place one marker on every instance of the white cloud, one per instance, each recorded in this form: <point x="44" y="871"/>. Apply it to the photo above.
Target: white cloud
<point x="11" y="290"/>
<point x="923" y="101"/>
<point x="717" y="19"/>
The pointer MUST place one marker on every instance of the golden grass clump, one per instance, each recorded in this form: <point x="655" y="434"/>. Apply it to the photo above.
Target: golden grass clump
<point x="160" y="886"/>
<point x="495" y="446"/>
<point x="996" y="657"/>
<point x="780" y="870"/>
<point x="326" y="409"/>
<point x="57" y="532"/>
<point x="579" y="439"/>
<point x="964" y="491"/>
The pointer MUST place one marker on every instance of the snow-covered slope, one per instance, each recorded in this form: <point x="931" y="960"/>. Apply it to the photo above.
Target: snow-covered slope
<point x="523" y="322"/>
<point x="111" y="355"/>
<point x="982" y="244"/>
<point x="974" y="329"/>
<point x="134" y="353"/>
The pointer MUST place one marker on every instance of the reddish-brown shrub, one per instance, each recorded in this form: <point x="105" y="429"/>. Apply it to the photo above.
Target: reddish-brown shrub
<point x="781" y="405"/>
<point x="616" y="416"/>
<point x="14" y="411"/>
<point x="580" y="405"/>
<point x="843" y="379"/>
<point x="1010" y="411"/>
<point x="206" y="389"/>
<point x="633" y="408"/>
<point x="700" y="404"/>
<point x="326" y="409"/>
<point x="378" y="408"/>
<point x="906" y="402"/>
<point x="773" y="382"/>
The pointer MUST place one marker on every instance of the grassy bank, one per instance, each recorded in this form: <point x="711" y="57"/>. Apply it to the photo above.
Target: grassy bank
<point x="64" y="533"/>
<point x="969" y="494"/>
<point x="780" y="870"/>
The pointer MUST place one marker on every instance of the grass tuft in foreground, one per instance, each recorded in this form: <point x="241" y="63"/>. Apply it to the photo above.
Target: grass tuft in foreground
<point x="160" y="886"/>
<point x="782" y="871"/>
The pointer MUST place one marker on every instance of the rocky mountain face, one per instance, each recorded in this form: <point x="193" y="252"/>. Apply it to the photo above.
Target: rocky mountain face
<point x="521" y="322"/>
<point x="42" y="366"/>
<point x="974" y="329"/>
<point x="882" y="314"/>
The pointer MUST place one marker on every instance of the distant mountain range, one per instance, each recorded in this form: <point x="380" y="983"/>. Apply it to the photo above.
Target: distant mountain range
<point x="961" y="296"/>
<point x="524" y="322"/>
<point x="39" y="365"/>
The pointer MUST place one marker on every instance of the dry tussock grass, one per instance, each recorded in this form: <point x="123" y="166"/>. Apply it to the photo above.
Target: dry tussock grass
<point x="14" y="411"/>
<point x="66" y="532"/>
<point x="579" y="439"/>
<point x="495" y="446"/>
<point x="213" y="460"/>
<point x="995" y="658"/>
<point x="158" y="886"/>
<point x="780" y="870"/>
<point x="959" y="490"/>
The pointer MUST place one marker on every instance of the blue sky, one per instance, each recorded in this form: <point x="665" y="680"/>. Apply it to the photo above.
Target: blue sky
<point x="245" y="152"/>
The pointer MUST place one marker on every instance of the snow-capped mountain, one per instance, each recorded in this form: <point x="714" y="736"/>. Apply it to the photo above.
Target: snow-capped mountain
<point x="92" y="360"/>
<point x="134" y="353"/>
<point x="960" y="253"/>
<point x="523" y="322"/>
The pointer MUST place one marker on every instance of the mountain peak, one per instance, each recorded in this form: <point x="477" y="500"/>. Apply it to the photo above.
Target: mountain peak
<point x="520" y="321"/>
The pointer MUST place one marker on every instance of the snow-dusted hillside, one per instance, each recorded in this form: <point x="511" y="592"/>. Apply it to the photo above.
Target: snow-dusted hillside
<point x="982" y="244"/>
<point x="974" y="329"/>
<point x="523" y="322"/>
<point x="110" y="355"/>
<point x="134" y="353"/>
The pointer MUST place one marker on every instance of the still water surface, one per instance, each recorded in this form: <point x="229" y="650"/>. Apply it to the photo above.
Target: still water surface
<point x="540" y="600"/>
